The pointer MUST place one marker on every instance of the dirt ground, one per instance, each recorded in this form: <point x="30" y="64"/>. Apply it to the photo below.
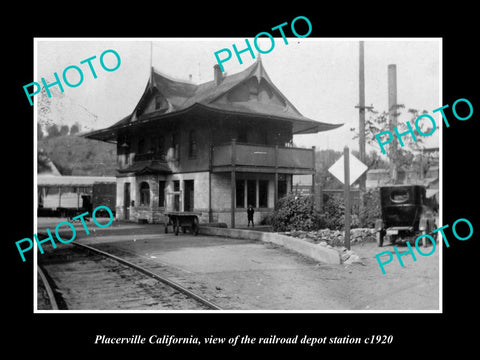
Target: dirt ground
<point x="412" y="287"/>
<point x="248" y="275"/>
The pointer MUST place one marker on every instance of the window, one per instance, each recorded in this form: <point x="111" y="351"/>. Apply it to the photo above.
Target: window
<point x="242" y="135"/>
<point x="282" y="188"/>
<point x="175" y="146"/>
<point x="144" y="194"/>
<point x="252" y="192"/>
<point x="161" y="193"/>
<point x="160" y="103"/>
<point x="253" y="89"/>
<point x="176" y="197"/>
<point x="153" y="144"/>
<point x="141" y="146"/>
<point x="124" y="142"/>
<point x="240" y="193"/>
<point x="263" y="193"/>
<point x="399" y="196"/>
<point x="176" y="185"/>
<point x="157" y="146"/>
<point x="160" y="145"/>
<point x="188" y="195"/>
<point x="264" y="92"/>
<point x="192" y="144"/>
<point x="263" y="137"/>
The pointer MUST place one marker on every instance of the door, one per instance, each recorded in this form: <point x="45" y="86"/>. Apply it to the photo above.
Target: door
<point x="126" y="201"/>
<point x="176" y="195"/>
<point x="188" y="195"/>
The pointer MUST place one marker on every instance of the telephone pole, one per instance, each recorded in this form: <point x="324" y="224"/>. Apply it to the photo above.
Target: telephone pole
<point x="151" y="54"/>
<point x="392" y="119"/>
<point x="361" y="109"/>
<point x="346" y="195"/>
<point x="361" y="128"/>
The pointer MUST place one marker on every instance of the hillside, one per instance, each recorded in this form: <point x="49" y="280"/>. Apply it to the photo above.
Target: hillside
<point x="61" y="110"/>
<point x="74" y="155"/>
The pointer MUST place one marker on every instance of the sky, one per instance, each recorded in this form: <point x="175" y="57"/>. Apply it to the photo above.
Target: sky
<point x="319" y="76"/>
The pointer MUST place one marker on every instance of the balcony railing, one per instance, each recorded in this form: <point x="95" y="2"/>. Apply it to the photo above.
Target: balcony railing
<point x="248" y="157"/>
<point x="149" y="156"/>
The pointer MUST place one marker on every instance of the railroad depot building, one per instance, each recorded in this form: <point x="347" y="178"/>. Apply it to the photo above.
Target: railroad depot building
<point x="213" y="148"/>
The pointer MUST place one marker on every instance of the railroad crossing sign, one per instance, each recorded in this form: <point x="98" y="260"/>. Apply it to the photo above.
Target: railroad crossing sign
<point x="357" y="168"/>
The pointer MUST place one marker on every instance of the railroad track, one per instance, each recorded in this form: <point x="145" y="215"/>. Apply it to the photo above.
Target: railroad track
<point x="83" y="277"/>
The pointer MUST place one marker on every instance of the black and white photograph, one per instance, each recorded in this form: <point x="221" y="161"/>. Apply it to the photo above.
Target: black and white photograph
<point x="299" y="183"/>
<point x="227" y="187"/>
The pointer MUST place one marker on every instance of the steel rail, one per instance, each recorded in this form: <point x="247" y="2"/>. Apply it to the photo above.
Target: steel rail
<point x="152" y="275"/>
<point x="48" y="288"/>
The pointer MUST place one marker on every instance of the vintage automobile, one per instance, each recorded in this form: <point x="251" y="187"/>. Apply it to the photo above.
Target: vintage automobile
<point x="405" y="214"/>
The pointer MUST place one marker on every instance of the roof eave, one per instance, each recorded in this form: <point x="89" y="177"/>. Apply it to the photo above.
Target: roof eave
<point x="304" y="126"/>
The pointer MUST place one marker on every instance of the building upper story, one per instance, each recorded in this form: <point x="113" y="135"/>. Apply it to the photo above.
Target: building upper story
<point x="240" y="120"/>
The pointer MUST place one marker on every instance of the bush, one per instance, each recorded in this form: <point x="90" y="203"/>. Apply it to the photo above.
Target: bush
<point x="372" y="209"/>
<point x="295" y="212"/>
<point x="333" y="211"/>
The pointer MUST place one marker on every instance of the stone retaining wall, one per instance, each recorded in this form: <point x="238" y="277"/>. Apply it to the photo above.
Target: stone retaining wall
<point x="327" y="237"/>
<point x="313" y="251"/>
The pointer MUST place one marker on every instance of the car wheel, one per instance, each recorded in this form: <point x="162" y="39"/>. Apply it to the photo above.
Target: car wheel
<point x="379" y="238"/>
<point x="393" y="238"/>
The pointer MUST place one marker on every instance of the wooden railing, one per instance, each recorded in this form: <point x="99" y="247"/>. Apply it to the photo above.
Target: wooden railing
<point x="149" y="156"/>
<point x="241" y="154"/>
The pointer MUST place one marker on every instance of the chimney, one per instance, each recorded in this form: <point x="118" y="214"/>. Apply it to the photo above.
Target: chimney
<point x="217" y="74"/>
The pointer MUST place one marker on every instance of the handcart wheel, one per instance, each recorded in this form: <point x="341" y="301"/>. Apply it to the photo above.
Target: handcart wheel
<point x="195" y="226"/>
<point x="177" y="226"/>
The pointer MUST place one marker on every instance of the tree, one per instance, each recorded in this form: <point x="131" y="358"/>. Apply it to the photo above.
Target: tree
<point x="39" y="132"/>
<point x="75" y="129"/>
<point x="64" y="130"/>
<point x="407" y="157"/>
<point x="324" y="159"/>
<point x="44" y="104"/>
<point x="373" y="160"/>
<point x="53" y="131"/>
<point x="42" y="162"/>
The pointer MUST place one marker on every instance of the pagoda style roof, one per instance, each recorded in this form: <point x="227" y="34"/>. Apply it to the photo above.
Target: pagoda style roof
<point x="228" y="95"/>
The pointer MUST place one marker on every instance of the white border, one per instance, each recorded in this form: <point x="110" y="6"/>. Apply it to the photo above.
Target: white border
<point x="35" y="192"/>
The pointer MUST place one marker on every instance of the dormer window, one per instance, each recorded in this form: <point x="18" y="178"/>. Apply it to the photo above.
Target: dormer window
<point x="160" y="103"/>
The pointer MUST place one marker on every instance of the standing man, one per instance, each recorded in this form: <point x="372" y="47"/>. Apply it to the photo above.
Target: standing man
<point x="250" y="213"/>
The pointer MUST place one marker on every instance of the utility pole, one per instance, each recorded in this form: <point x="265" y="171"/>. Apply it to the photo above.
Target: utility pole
<point x="392" y="118"/>
<point x="346" y="195"/>
<point x="151" y="54"/>
<point x="361" y="127"/>
<point x="361" y="108"/>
